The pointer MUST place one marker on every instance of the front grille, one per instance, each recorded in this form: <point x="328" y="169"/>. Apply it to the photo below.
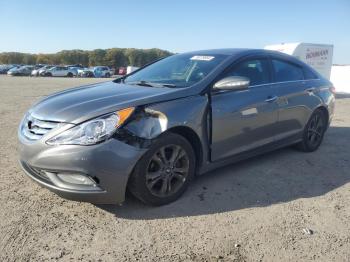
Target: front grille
<point x="34" y="129"/>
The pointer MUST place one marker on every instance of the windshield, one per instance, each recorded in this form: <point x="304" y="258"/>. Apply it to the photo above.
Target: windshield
<point x="178" y="70"/>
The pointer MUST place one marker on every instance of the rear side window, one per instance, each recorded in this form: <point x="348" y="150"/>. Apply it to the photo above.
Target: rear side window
<point x="256" y="70"/>
<point x="285" y="71"/>
<point x="309" y="74"/>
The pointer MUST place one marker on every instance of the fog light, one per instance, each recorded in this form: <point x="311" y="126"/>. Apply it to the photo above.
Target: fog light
<point x="76" y="179"/>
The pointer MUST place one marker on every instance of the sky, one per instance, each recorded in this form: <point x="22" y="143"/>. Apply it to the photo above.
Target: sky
<point x="178" y="26"/>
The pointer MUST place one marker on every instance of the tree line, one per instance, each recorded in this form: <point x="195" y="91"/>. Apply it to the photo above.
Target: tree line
<point x="114" y="57"/>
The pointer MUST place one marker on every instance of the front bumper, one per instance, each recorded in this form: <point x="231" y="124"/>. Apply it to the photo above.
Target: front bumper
<point x="109" y="164"/>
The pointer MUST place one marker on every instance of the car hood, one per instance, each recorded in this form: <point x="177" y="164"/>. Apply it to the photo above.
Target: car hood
<point x="82" y="103"/>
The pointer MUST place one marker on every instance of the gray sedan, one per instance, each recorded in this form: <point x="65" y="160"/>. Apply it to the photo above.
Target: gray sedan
<point x="154" y="130"/>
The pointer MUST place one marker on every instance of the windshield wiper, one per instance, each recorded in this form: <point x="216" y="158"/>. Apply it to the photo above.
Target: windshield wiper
<point x="142" y="83"/>
<point x="167" y="85"/>
<point x="150" y="84"/>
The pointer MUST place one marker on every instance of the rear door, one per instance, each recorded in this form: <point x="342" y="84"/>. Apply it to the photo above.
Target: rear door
<point x="244" y="120"/>
<point x="294" y="96"/>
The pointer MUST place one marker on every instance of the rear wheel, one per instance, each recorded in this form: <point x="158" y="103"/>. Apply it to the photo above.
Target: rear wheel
<point x="313" y="132"/>
<point x="162" y="175"/>
<point x="70" y="74"/>
<point x="107" y="75"/>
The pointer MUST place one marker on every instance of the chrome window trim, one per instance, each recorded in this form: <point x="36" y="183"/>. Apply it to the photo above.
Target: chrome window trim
<point x="282" y="82"/>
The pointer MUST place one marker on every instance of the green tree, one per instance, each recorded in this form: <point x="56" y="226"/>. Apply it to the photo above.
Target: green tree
<point x="114" y="57"/>
<point x="97" y="57"/>
<point x="43" y="59"/>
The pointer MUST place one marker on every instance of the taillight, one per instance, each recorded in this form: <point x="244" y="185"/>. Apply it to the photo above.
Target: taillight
<point x="332" y="89"/>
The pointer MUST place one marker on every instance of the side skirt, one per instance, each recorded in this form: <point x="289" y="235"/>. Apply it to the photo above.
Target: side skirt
<point x="249" y="154"/>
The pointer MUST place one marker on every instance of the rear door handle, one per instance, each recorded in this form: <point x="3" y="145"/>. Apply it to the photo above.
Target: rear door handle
<point x="311" y="90"/>
<point x="271" y="99"/>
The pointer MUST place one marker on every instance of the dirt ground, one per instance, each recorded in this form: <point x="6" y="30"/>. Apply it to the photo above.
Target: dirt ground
<point x="255" y="210"/>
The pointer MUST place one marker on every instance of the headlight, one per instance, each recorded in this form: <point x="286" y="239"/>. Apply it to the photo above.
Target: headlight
<point x="93" y="131"/>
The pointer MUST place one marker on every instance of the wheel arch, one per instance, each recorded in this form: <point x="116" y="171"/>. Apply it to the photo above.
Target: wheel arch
<point x="192" y="137"/>
<point x="324" y="111"/>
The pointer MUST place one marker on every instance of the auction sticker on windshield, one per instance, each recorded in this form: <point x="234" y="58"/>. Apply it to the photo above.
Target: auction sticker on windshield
<point x="202" y="58"/>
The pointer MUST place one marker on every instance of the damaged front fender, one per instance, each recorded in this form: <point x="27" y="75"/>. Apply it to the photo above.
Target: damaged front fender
<point x="148" y="122"/>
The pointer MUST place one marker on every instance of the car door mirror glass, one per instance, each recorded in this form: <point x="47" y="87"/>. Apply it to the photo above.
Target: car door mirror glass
<point x="232" y="83"/>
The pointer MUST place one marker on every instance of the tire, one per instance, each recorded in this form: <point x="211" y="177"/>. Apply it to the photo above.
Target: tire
<point x="313" y="132"/>
<point x="48" y="74"/>
<point x="108" y="75"/>
<point x="151" y="175"/>
<point x="70" y="74"/>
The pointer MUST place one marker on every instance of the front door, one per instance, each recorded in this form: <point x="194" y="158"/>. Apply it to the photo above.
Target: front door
<point x="246" y="119"/>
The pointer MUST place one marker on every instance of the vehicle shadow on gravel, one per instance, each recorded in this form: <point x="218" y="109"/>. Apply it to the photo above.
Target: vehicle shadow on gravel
<point x="277" y="177"/>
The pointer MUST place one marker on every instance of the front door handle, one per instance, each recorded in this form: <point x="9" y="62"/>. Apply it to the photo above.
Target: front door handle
<point x="271" y="99"/>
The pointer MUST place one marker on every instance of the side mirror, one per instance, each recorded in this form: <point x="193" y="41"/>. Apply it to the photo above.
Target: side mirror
<point x="232" y="83"/>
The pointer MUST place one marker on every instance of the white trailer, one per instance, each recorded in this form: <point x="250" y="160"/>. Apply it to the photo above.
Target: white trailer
<point x="340" y="77"/>
<point x="318" y="56"/>
<point x="131" y="69"/>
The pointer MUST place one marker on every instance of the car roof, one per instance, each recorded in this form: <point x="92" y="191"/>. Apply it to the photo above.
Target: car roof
<point x="237" y="51"/>
<point x="222" y="51"/>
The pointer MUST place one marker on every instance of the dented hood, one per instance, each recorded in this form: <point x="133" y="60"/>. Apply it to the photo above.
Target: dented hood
<point x="79" y="104"/>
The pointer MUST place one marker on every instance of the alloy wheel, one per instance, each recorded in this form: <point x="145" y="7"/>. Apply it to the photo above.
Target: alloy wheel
<point x="167" y="170"/>
<point x="315" y="130"/>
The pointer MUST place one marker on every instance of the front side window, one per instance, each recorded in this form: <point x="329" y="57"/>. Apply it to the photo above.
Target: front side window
<point x="255" y="70"/>
<point x="181" y="70"/>
<point x="285" y="71"/>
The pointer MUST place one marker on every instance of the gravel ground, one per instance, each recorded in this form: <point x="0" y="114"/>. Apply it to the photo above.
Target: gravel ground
<point x="255" y="210"/>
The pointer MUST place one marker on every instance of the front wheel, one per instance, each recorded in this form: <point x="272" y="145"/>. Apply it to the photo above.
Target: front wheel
<point x="162" y="175"/>
<point x="313" y="132"/>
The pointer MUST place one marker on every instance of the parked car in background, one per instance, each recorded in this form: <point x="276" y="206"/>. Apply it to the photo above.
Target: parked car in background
<point x="86" y="72"/>
<point x="96" y="71"/>
<point x="42" y="71"/>
<point x="60" y="71"/>
<point x="152" y="131"/>
<point x="121" y="71"/>
<point x="74" y="69"/>
<point x="21" y="71"/>
<point x="102" y="71"/>
<point x="35" y="71"/>
<point x="5" y="68"/>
